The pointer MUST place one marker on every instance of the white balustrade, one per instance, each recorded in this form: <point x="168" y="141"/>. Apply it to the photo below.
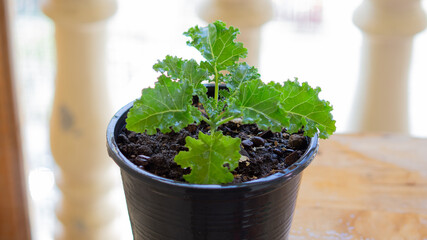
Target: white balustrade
<point x="247" y="15"/>
<point x="80" y="114"/>
<point x="388" y="27"/>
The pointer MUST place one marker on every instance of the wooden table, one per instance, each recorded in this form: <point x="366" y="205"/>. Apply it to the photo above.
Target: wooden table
<point x="364" y="187"/>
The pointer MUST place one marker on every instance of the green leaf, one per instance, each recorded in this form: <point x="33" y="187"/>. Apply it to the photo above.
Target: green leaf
<point x="207" y="66"/>
<point x="207" y="102"/>
<point x="171" y="65"/>
<point x="259" y="104"/>
<point x="185" y="70"/>
<point x="209" y="105"/>
<point x="217" y="44"/>
<point x="164" y="80"/>
<point x="239" y="74"/>
<point x="192" y="72"/>
<point x="303" y="106"/>
<point x="166" y="106"/>
<point x="224" y="94"/>
<point x="207" y="156"/>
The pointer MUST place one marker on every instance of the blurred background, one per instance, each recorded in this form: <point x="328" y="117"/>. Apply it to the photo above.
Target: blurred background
<point x="314" y="40"/>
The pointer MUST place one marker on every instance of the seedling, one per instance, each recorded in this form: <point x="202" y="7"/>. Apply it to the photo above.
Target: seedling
<point x="272" y="106"/>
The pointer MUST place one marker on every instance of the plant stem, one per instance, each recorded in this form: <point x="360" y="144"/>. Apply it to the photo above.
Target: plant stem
<point x="208" y="121"/>
<point x="216" y="86"/>
<point x="217" y="118"/>
<point x="227" y="119"/>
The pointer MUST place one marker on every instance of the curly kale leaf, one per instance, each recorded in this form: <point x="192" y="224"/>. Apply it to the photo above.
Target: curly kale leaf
<point x="166" y="106"/>
<point x="170" y="65"/>
<point x="217" y="44"/>
<point x="211" y="158"/>
<point x="258" y="103"/>
<point x="184" y="70"/>
<point x="240" y="73"/>
<point x="304" y="108"/>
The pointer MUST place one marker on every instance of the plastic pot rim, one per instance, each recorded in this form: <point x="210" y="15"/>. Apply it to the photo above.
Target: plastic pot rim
<point x="116" y="124"/>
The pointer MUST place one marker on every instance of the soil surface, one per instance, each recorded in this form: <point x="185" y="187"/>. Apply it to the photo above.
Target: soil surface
<point x="263" y="152"/>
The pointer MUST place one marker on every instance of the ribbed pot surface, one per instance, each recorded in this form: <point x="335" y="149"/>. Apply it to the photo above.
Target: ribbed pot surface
<point x="161" y="208"/>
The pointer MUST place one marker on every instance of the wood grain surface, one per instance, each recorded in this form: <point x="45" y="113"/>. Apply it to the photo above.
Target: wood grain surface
<point x="13" y="204"/>
<point x="364" y="187"/>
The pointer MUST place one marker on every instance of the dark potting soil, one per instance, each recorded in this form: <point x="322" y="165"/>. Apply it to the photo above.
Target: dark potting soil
<point x="263" y="152"/>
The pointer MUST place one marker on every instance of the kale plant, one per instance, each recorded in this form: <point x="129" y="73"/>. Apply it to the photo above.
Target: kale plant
<point x="272" y="106"/>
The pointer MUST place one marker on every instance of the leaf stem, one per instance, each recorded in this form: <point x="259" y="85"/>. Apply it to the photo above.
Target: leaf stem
<point x="217" y="118"/>
<point x="227" y="119"/>
<point x="216" y="86"/>
<point x="208" y="121"/>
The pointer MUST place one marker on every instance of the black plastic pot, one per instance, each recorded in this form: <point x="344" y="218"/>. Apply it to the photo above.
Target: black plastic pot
<point x="161" y="208"/>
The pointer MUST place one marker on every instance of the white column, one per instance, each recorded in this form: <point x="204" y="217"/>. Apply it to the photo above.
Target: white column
<point x="247" y="15"/>
<point x="80" y="114"/>
<point x="388" y="27"/>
